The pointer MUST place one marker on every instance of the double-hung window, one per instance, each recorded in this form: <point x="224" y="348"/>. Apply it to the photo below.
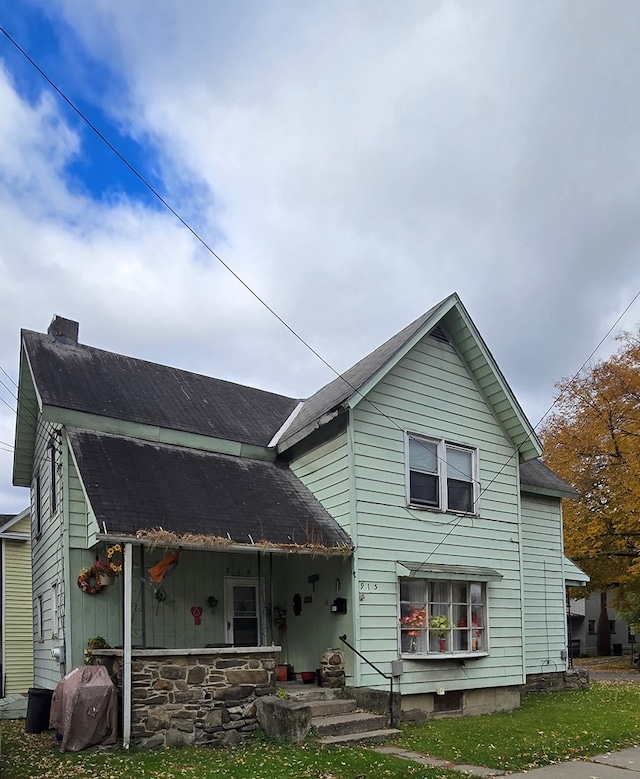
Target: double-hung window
<point x="442" y="475"/>
<point x="440" y="618"/>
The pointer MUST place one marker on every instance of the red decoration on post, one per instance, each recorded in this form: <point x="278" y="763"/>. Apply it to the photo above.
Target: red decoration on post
<point x="196" y="613"/>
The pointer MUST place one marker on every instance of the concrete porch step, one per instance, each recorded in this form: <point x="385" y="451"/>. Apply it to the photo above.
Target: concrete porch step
<point x="354" y="738"/>
<point x="343" y="724"/>
<point x="304" y="693"/>
<point x="326" y="708"/>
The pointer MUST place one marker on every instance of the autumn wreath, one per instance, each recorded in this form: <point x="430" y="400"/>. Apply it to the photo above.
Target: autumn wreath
<point x="89" y="580"/>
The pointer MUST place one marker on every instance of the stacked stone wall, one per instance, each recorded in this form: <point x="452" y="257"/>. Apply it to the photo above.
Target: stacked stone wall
<point x="197" y="699"/>
<point x="573" y="679"/>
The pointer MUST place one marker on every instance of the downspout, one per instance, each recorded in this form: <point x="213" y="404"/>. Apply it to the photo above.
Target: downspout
<point x="126" y="654"/>
<point x="523" y="625"/>
<point x="67" y="633"/>
<point x="353" y="532"/>
<point x="4" y="615"/>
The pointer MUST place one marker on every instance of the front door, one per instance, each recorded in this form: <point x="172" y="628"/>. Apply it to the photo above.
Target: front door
<point x="242" y="612"/>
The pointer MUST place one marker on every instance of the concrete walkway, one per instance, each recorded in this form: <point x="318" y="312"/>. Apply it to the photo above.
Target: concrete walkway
<point x="617" y="765"/>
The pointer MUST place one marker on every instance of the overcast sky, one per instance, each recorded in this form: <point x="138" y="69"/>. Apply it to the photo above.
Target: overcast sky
<point x="353" y="162"/>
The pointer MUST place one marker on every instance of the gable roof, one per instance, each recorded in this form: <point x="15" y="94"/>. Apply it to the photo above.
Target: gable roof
<point x="73" y="376"/>
<point x="538" y="478"/>
<point x="351" y="387"/>
<point x="135" y="485"/>
<point x="8" y="521"/>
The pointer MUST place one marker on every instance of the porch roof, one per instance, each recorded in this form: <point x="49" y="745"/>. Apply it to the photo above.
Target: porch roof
<point x="137" y="487"/>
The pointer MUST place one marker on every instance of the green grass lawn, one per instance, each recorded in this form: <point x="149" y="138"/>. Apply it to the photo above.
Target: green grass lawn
<point x="37" y="757"/>
<point x="547" y="728"/>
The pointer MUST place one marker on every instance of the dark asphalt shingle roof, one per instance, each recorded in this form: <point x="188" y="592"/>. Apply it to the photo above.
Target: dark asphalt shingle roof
<point x="136" y="485"/>
<point x="334" y="394"/>
<point x="534" y="473"/>
<point x="83" y="378"/>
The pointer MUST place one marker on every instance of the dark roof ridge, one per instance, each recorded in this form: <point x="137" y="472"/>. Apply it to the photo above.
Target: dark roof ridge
<point x="68" y="344"/>
<point x="87" y="379"/>
<point x="340" y="389"/>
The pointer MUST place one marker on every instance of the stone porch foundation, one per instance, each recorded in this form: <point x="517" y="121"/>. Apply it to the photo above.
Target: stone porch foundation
<point x="204" y="696"/>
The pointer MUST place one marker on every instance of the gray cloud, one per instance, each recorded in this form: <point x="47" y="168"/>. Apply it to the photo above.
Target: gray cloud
<point x="354" y="164"/>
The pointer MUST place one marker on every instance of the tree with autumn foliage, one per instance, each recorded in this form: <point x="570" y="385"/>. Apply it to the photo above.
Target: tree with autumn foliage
<point x="593" y="441"/>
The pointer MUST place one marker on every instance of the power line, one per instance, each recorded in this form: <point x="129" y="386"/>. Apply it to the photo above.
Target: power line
<point x="214" y="254"/>
<point x="585" y="363"/>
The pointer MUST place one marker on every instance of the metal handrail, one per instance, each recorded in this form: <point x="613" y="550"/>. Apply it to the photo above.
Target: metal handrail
<point x="392" y="719"/>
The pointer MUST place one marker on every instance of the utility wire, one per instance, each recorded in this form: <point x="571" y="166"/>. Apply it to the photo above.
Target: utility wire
<point x="213" y="253"/>
<point x="585" y="363"/>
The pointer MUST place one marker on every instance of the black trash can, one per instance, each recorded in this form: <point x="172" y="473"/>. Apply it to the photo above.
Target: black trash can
<point x="38" y="710"/>
<point x="617" y="650"/>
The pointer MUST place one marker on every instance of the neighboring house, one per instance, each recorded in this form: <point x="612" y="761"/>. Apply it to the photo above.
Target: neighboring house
<point x="402" y="505"/>
<point x="16" y="674"/>
<point x="585" y="615"/>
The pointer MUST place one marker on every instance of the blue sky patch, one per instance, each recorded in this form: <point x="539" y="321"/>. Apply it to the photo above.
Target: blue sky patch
<point x="95" y="171"/>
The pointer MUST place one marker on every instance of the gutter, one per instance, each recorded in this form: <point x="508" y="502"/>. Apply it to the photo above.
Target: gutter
<point x="326" y="551"/>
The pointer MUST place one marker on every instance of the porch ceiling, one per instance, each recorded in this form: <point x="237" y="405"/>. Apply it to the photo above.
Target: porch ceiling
<point x="136" y="486"/>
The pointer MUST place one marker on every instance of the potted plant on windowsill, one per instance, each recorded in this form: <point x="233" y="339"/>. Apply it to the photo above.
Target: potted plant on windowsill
<point x="440" y="626"/>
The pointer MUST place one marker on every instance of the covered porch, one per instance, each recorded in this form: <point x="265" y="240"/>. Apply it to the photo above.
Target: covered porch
<point x="193" y="652"/>
<point x="225" y="562"/>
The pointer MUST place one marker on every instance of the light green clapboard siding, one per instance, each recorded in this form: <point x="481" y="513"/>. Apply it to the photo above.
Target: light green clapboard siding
<point x="431" y="392"/>
<point x="48" y="560"/>
<point x="18" y="627"/>
<point x="325" y="471"/>
<point x="545" y="608"/>
<point x="202" y="574"/>
<point x="78" y="510"/>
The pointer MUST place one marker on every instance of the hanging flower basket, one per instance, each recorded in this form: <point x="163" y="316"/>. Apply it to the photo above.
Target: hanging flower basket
<point x="103" y="572"/>
<point x="93" y="579"/>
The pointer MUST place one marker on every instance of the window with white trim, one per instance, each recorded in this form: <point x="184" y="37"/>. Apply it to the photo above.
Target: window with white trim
<point x="440" y="618"/>
<point x="442" y="475"/>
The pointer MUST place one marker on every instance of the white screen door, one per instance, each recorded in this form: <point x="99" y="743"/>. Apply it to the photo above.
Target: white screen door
<point x="242" y="609"/>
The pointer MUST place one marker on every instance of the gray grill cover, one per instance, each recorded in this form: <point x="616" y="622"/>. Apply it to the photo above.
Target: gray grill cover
<point x="84" y="709"/>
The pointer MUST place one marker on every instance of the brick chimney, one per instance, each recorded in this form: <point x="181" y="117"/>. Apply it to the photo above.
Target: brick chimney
<point x="65" y="330"/>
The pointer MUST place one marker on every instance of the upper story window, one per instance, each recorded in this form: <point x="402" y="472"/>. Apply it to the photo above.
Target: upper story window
<point x="442" y="475"/>
<point x="440" y="618"/>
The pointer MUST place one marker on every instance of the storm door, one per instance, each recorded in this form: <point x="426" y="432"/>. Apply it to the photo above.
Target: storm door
<point x="242" y="612"/>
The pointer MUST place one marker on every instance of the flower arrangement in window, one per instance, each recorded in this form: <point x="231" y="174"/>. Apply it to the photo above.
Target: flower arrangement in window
<point x="413" y="619"/>
<point x="476" y="633"/>
<point x="440" y="626"/>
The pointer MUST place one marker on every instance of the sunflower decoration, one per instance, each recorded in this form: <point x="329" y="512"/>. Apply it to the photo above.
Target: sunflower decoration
<point x="114" y="558"/>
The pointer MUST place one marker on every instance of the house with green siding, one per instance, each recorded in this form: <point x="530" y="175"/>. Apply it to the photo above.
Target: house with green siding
<point x="16" y="675"/>
<point x="402" y="506"/>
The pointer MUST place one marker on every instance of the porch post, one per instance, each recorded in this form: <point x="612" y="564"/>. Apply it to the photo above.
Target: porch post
<point x="126" y="658"/>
